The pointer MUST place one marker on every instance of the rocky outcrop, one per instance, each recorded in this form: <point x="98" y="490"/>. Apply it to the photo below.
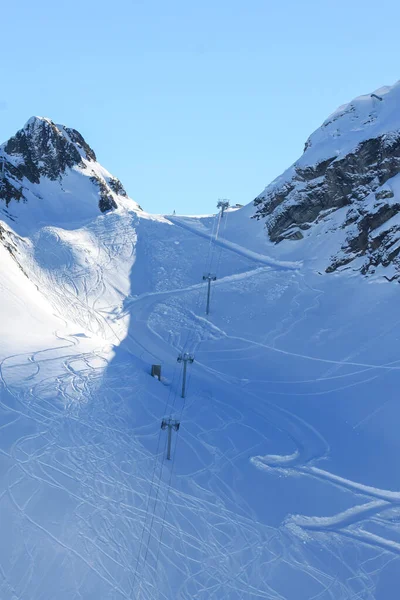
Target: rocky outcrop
<point x="82" y="145"/>
<point x="117" y="186"/>
<point x="106" y="201"/>
<point x="331" y="184"/>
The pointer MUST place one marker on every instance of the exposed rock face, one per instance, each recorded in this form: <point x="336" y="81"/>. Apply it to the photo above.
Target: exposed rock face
<point x="117" y="186"/>
<point x="78" y="140"/>
<point x="341" y="169"/>
<point x="106" y="201"/>
<point x="43" y="150"/>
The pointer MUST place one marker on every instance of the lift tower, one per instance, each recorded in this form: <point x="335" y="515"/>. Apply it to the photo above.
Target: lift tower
<point x="169" y="424"/>
<point x="209" y="277"/>
<point x="223" y="205"/>
<point x="185" y="358"/>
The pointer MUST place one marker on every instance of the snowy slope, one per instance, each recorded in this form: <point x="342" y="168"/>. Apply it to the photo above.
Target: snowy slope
<point x="71" y="222"/>
<point x="284" y="481"/>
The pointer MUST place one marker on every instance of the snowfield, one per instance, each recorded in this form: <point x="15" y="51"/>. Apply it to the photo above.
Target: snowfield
<point x="284" y="481"/>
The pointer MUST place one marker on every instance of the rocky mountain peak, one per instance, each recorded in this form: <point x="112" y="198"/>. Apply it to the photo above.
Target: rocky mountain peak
<point x="43" y="152"/>
<point x="346" y="185"/>
<point x="45" y="149"/>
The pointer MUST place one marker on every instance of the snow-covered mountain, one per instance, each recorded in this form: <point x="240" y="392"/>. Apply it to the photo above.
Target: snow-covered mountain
<point x="345" y="186"/>
<point x="54" y="170"/>
<point x="283" y="483"/>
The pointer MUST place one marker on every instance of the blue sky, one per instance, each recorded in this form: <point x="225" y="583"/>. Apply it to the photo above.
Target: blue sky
<point x="189" y="101"/>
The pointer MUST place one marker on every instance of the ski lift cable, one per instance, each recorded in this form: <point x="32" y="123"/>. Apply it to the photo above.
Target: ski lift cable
<point x="200" y="291"/>
<point x="183" y="409"/>
<point x="154" y="508"/>
<point x="204" y="325"/>
<point x="146" y="512"/>
<point x="208" y="265"/>
<point x="153" y="514"/>
<point x="167" y="499"/>
<point x="154" y="482"/>
<point x="212" y="246"/>
<point x="209" y="257"/>
<point x="168" y="407"/>
<point x="190" y="334"/>
<point x="221" y="248"/>
<point x="211" y="242"/>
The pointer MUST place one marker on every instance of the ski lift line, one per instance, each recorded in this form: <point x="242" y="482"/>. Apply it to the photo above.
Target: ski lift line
<point x="171" y="390"/>
<point x="209" y="259"/>
<point x="210" y="244"/>
<point x="204" y="324"/>
<point x="201" y="298"/>
<point x="209" y="263"/>
<point x="190" y="334"/>
<point x="183" y="408"/>
<point x="192" y="344"/>
<point x="203" y="329"/>
<point x="163" y="519"/>
<point x="151" y="523"/>
<point x="158" y="491"/>
<point x="153" y="513"/>
<point x="223" y="232"/>
<point x="216" y="271"/>
<point x="168" y="406"/>
<point x="220" y="247"/>
<point x="153" y="483"/>
<point x="146" y="515"/>
<point x="211" y="249"/>
<point x="219" y="223"/>
<point x="157" y="455"/>
<point x="187" y="347"/>
<point x="167" y="499"/>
